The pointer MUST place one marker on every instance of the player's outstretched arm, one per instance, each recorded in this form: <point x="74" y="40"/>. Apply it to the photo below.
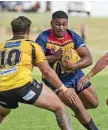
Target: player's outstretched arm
<point x="100" y="65"/>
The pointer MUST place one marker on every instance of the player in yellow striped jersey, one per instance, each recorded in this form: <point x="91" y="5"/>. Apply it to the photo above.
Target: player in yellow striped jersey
<point x="17" y="58"/>
<point x="16" y="62"/>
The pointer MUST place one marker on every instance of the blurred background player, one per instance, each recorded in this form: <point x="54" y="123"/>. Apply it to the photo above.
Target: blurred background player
<point x="100" y="65"/>
<point x="16" y="83"/>
<point x="83" y="30"/>
<point x="55" y="42"/>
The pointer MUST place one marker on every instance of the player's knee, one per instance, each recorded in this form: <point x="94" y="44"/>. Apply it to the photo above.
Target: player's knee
<point x="95" y="104"/>
<point x="78" y="106"/>
<point x="59" y="107"/>
<point x="56" y="105"/>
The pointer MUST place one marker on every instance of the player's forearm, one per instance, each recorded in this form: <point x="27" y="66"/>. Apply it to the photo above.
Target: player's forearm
<point x="94" y="71"/>
<point x="51" y="76"/>
<point x="83" y="63"/>
<point x="100" y="65"/>
<point x="51" y="58"/>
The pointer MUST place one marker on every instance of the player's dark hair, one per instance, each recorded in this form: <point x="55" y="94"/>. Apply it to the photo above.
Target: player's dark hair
<point x="20" y="25"/>
<point x="59" y="14"/>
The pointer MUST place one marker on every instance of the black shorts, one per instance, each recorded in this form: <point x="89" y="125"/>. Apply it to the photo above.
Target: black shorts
<point x="26" y="94"/>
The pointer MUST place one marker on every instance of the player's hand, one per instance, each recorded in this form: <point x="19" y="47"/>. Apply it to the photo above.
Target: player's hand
<point x="67" y="64"/>
<point x="70" y="96"/>
<point x="59" y="53"/>
<point x="83" y="80"/>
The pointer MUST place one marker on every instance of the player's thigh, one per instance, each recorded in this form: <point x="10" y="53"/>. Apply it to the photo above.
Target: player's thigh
<point x="4" y="111"/>
<point x="49" y="100"/>
<point x="89" y="96"/>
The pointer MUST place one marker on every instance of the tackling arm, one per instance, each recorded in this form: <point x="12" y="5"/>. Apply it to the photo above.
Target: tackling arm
<point x="100" y="65"/>
<point x="49" y="74"/>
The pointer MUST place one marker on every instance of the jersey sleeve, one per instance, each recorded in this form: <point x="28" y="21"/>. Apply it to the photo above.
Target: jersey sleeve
<point x="78" y="41"/>
<point x="42" y="41"/>
<point x="39" y="54"/>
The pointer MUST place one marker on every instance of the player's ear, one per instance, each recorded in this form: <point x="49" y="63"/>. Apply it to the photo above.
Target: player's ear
<point x="28" y="31"/>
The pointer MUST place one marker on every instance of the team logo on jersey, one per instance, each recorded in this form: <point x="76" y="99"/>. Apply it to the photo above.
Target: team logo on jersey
<point x="8" y="71"/>
<point x="12" y="44"/>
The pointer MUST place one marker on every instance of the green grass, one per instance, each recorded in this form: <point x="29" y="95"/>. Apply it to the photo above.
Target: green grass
<point x="31" y="118"/>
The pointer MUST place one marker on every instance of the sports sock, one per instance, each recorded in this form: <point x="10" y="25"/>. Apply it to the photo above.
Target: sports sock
<point x="90" y="125"/>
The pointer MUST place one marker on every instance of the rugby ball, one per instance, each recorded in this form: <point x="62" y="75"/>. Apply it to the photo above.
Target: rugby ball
<point x="71" y="55"/>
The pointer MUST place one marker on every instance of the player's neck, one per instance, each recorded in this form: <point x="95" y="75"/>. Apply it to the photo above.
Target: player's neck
<point x="20" y="37"/>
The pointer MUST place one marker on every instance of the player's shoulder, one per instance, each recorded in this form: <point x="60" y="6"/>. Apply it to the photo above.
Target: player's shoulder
<point x="2" y="44"/>
<point x="73" y="33"/>
<point x="9" y="43"/>
<point x="78" y="41"/>
<point x="44" y="34"/>
<point x="33" y="44"/>
<point x="27" y="42"/>
<point x="30" y="41"/>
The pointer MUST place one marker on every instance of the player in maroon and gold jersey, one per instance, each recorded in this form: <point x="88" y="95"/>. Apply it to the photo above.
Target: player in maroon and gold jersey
<point x="56" y="42"/>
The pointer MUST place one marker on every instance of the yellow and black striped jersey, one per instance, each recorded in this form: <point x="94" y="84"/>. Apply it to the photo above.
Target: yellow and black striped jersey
<point x="16" y="62"/>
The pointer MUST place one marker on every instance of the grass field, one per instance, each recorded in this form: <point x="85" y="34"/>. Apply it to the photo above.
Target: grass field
<point x="31" y="118"/>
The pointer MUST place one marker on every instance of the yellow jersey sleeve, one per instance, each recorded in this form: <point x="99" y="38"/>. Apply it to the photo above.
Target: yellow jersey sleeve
<point x="39" y="54"/>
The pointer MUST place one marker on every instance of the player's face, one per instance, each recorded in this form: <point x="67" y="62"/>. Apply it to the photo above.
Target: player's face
<point x="59" y="26"/>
